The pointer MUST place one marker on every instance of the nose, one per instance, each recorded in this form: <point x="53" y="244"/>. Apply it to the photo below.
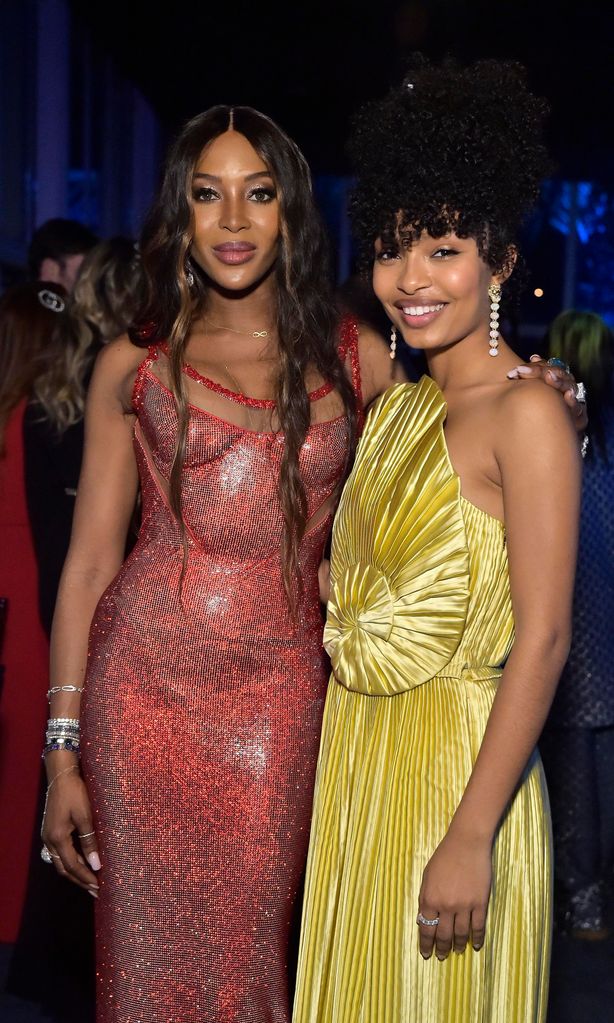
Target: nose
<point x="413" y="273"/>
<point x="233" y="215"/>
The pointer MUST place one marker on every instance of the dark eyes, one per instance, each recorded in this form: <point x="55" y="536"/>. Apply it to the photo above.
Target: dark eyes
<point x="204" y="194"/>
<point x="444" y="253"/>
<point x="259" y="194"/>
<point x="388" y="255"/>
<point x="262" y="194"/>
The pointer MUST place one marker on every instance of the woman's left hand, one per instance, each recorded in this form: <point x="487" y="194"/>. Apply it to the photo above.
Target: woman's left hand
<point x="455" y="889"/>
<point x="561" y="379"/>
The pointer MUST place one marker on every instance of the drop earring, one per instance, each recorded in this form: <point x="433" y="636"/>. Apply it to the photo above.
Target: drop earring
<point x="189" y="276"/>
<point x="393" y="342"/>
<point x="494" y="293"/>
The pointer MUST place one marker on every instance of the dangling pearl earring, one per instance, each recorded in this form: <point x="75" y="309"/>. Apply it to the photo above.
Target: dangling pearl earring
<point x="494" y="293"/>
<point x="189" y="276"/>
<point x="393" y="342"/>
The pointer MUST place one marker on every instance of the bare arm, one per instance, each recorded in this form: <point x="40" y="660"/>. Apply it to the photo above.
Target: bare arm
<point x="105" y="501"/>
<point x="538" y="455"/>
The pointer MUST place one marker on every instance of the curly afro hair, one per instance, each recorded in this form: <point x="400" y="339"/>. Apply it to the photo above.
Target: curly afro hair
<point x="451" y="148"/>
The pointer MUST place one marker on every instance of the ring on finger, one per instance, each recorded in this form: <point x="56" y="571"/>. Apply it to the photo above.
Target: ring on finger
<point x="426" y="922"/>
<point x="88" y="835"/>
<point x="580" y="393"/>
<point x="558" y="363"/>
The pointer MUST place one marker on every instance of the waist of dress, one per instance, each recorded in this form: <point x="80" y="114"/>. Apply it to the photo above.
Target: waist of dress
<point x="471" y="672"/>
<point x="402" y="680"/>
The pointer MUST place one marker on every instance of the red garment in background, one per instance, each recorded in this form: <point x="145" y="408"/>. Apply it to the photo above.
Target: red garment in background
<point x="23" y="700"/>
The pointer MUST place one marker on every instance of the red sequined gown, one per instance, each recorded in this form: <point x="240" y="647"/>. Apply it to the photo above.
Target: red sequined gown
<point x="201" y="723"/>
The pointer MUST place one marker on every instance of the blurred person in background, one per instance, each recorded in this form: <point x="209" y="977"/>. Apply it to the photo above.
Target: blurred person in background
<point x="106" y="293"/>
<point x="578" y="741"/>
<point x="28" y="318"/>
<point x="57" y="249"/>
<point x="101" y="307"/>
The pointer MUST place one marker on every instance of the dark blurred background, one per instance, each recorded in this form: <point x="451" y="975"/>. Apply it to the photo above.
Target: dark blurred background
<point x="93" y="92"/>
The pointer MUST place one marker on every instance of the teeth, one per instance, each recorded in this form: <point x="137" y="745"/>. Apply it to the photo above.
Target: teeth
<point x="420" y="310"/>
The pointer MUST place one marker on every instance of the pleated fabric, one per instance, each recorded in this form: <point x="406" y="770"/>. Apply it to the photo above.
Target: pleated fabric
<point x="418" y="627"/>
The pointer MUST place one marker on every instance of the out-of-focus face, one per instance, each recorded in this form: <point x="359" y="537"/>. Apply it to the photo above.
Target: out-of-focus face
<point x="236" y="213"/>
<point x="435" y="290"/>
<point x="62" y="271"/>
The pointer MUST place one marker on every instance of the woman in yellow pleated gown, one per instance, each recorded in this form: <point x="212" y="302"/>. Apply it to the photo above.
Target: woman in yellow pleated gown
<point x="428" y="889"/>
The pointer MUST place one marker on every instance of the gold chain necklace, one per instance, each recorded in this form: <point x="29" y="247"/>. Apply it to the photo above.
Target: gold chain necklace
<point x="245" y="333"/>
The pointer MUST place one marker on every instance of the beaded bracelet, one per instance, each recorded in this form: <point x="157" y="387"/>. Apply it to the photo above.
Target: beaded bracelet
<point x="70" y="745"/>
<point x="59" y="730"/>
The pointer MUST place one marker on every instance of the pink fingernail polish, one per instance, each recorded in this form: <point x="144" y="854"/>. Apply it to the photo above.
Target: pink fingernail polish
<point x="94" y="861"/>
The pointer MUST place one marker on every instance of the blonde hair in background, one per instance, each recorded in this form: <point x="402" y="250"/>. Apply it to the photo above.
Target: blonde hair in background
<point x="103" y="304"/>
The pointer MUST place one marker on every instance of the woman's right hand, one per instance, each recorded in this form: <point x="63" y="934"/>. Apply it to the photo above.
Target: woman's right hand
<point x="68" y="811"/>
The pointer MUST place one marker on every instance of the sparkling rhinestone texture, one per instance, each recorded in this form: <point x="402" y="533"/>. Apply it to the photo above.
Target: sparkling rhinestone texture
<point x="201" y="720"/>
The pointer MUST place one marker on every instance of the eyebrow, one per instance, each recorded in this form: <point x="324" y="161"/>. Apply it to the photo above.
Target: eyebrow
<point x="248" y="177"/>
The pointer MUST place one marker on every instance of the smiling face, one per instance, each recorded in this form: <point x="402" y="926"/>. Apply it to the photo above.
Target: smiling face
<point x="434" y="290"/>
<point x="236" y="213"/>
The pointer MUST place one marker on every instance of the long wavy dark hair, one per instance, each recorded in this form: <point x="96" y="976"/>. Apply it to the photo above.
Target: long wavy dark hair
<point x="306" y="315"/>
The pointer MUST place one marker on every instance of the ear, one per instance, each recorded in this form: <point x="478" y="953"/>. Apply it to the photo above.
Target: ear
<point x="507" y="269"/>
<point x="50" y="270"/>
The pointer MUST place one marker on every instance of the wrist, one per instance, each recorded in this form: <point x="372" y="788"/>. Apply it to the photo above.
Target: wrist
<point x="474" y="831"/>
<point x="59" y="760"/>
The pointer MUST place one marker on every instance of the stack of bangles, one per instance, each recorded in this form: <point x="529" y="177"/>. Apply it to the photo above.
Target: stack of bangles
<point x="62" y="733"/>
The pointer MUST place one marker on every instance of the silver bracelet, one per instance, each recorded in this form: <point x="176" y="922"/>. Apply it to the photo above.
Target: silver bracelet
<point x="64" y="689"/>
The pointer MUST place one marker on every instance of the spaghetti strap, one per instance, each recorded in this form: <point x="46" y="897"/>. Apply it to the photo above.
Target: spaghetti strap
<point x="152" y="355"/>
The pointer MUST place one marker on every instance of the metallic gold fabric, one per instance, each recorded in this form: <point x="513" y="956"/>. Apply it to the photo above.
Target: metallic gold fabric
<point x="393" y="768"/>
<point x="201" y="721"/>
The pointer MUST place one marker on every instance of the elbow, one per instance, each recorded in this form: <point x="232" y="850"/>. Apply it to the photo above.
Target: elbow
<point x="556" y="647"/>
<point x="548" y="646"/>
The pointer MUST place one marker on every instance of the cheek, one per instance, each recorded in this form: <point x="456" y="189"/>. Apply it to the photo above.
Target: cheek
<point x="381" y="282"/>
<point x="271" y="228"/>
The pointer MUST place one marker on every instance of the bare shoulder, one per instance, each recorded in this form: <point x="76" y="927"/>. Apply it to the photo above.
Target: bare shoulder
<point x="115" y="369"/>
<point x="378" y="370"/>
<point x="533" y="415"/>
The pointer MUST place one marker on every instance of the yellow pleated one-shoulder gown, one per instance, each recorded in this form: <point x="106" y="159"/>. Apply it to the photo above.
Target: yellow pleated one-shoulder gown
<point x="419" y="624"/>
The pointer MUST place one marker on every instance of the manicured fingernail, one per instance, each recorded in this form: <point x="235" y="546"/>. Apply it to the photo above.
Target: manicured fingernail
<point x="426" y="955"/>
<point x="440" y="957"/>
<point x="524" y="371"/>
<point x="535" y="358"/>
<point x="476" y="948"/>
<point x="91" y="892"/>
<point x="513" y="374"/>
<point x="94" y="861"/>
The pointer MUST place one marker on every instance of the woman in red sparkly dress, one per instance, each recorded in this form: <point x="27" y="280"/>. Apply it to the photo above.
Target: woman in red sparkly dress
<point x="195" y="669"/>
<point x="200" y="658"/>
